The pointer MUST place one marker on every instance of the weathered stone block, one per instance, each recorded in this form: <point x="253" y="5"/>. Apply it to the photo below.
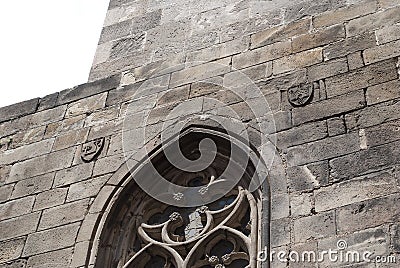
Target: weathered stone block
<point x="395" y="237"/>
<point x="14" y="264"/>
<point x="5" y="192"/>
<point x="55" y="259"/>
<point x="373" y="21"/>
<point x="67" y="124"/>
<point x="174" y="95"/>
<point x="308" y="177"/>
<point x="237" y="30"/>
<point x="302" y="134"/>
<point x="323" y="149"/>
<point x="344" y="14"/>
<point x="41" y="165"/>
<point x="280" y="232"/>
<point x="349" y="46"/>
<point x="363" y="161"/>
<point x="173" y="32"/>
<point x="19" y="226"/>
<point x="33" y="185"/>
<point x="79" y="258"/>
<point x="298" y="60"/>
<point x="327" y="69"/>
<point x="73" y="174"/>
<point x="283" y="82"/>
<point x="115" y="31"/>
<point x="388" y="34"/>
<point x="307" y="8"/>
<point x="279" y="206"/>
<point x="383" y="133"/>
<point x="262" y="54"/>
<point x="117" y="66"/>
<point x="48" y="102"/>
<point x="220" y="17"/>
<point x="301" y="204"/>
<point x="25" y="152"/>
<point x="355" y="190"/>
<point x="4" y="174"/>
<point x="202" y="40"/>
<point x="282" y="121"/>
<point x="27" y="137"/>
<point x="316" y="226"/>
<point x="50" y="198"/>
<point x="86" y="105"/>
<point x="368" y="214"/>
<point x="100" y="117"/>
<point x="50" y="240"/>
<point x="152" y="86"/>
<point x="87" y="188"/>
<point x="70" y="138"/>
<point x="108" y="164"/>
<point x="319" y="38"/>
<point x="218" y="51"/>
<point x="88" y="89"/>
<point x="16" y="208"/>
<point x="128" y="46"/>
<point x="361" y="78"/>
<point x="33" y="120"/>
<point x="243" y="80"/>
<point x="200" y="72"/>
<point x="104" y="130"/>
<point x="103" y="53"/>
<point x="160" y="68"/>
<point x="336" y="126"/>
<point x="382" y="52"/>
<point x="373" y="115"/>
<point x="118" y="3"/>
<point x="280" y="33"/>
<point x="63" y="214"/>
<point x="85" y="232"/>
<point x="130" y="93"/>
<point x="355" y="60"/>
<point x="18" y="110"/>
<point x="334" y="106"/>
<point x="11" y="250"/>
<point x="388" y="3"/>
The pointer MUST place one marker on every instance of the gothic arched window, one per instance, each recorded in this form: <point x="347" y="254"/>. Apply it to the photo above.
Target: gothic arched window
<point x="214" y="222"/>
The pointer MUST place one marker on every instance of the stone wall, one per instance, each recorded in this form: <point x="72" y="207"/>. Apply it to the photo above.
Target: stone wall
<point x="327" y="70"/>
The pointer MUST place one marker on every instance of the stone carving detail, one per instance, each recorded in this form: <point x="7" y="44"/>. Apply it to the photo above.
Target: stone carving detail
<point x="92" y="149"/>
<point x="301" y="94"/>
<point x="221" y="234"/>
<point x="142" y="231"/>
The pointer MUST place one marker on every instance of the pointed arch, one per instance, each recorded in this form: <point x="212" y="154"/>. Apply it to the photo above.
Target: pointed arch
<point x="132" y="223"/>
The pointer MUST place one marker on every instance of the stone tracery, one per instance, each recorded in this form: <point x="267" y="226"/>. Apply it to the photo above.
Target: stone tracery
<point x="147" y="233"/>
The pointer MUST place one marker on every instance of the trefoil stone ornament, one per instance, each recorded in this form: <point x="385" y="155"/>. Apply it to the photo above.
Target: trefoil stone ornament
<point x="92" y="149"/>
<point x="300" y="95"/>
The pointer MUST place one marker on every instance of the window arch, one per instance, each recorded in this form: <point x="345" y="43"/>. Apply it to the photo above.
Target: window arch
<point x="139" y="230"/>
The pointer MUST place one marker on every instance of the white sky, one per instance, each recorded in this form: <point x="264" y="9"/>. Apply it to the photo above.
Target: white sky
<point x="46" y="45"/>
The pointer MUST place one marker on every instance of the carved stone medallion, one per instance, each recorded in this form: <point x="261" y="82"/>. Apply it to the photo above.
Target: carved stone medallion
<point x="92" y="149"/>
<point x="301" y="94"/>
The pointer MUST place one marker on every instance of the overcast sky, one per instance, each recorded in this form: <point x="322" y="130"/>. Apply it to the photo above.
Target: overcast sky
<point x="46" y="45"/>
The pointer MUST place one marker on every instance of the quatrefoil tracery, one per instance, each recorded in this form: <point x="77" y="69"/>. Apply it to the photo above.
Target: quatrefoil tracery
<point x="191" y="237"/>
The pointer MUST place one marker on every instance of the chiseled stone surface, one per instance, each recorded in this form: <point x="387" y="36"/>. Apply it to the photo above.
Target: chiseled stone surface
<point x="335" y="174"/>
<point x="11" y="249"/>
<point x="50" y="240"/>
